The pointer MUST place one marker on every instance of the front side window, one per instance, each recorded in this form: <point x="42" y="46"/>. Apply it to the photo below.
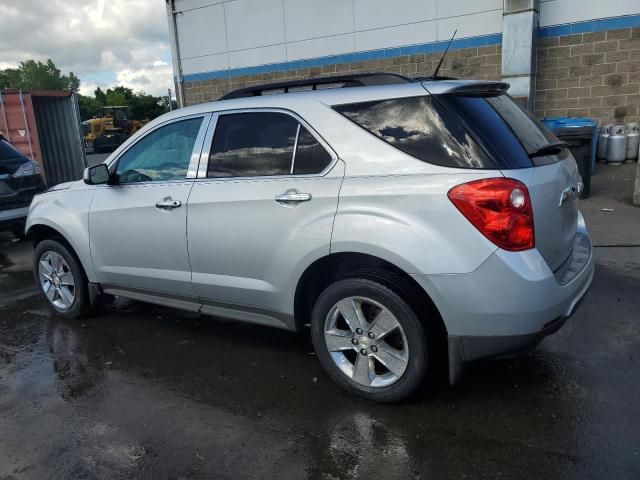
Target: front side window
<point x="162" y="155"/>
<point x="420" y="127"/>
<point x="259" y="144"/>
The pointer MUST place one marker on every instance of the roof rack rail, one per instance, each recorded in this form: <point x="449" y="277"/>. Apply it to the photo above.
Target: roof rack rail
<point x="439" y="77"/>
<point x="357" y="80"/>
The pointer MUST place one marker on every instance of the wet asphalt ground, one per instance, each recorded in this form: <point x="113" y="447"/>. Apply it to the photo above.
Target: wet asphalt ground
<point x="138" y="391"/>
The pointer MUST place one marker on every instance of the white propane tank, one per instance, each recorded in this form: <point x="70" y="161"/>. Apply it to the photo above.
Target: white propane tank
<point x="612" y="128"/>
<point x="617" y="145"/>
<point x="601" y="152"/>
<point x="633" y="141"/>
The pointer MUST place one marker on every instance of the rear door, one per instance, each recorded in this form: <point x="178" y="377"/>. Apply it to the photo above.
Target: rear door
<point x="261" y="209"/>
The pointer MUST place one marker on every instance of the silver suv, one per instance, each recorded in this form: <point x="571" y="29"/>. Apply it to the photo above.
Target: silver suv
<point x="411" y="224"/>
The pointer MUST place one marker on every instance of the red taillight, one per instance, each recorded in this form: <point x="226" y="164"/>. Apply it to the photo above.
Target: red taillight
<point x="500" y="208"/>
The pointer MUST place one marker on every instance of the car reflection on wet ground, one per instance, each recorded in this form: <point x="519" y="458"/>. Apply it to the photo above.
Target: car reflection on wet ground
<point x="140" y="391"/>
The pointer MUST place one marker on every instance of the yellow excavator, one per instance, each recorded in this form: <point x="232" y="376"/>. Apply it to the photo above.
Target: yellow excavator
<point x="108" y="131"/>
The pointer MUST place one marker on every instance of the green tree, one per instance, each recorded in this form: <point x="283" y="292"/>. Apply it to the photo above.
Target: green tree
<point x="141" y="105"/>
<point x="36" y="75"/>
<point x="89" y="106"/>
<point x="100" y="96"/>
<point x="147" y="106"/>
<point x="119" y="95"/>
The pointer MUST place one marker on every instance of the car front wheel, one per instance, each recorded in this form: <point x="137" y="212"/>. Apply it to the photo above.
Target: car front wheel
<point x="61" y="279"/>
<point x="369" y="340"/>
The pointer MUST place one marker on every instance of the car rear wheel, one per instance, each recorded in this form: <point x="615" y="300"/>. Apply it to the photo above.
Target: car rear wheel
<point x="61" y="279"/>
<point x="369" y="340"/>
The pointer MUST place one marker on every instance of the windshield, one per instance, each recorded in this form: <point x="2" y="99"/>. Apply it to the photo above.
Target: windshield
<point x="10" y="158"/>
<point x="9" y="152"/>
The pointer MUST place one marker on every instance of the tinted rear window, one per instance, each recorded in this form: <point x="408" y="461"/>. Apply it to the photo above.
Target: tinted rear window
<point x="505" y="129"/>
<point x="530" y="131"/>
<point x="421" y="127"/>
<point x="456" y="130"/>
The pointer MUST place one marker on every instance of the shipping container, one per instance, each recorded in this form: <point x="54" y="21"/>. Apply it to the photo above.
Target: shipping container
<point x="45" y="126"/>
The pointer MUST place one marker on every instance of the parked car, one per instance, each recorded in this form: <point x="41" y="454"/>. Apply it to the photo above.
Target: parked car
<point x="411" y="224"/>
<point x="20" y="180"/>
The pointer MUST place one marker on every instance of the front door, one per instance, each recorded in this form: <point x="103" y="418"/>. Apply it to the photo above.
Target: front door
<point x="138" y="224"/>
<point x="264" y="211"/>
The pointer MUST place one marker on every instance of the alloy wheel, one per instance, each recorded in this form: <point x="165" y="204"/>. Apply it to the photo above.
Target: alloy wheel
<point x="366" y="342"/>
<point x="56" y="280"/>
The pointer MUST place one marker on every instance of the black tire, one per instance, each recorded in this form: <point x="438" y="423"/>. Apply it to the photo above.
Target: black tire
<point x="81" y="304"/>
<point x="406" y="317"/>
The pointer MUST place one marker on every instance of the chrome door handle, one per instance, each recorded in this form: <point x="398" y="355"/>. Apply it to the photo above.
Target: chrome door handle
<point x="293" y="196"/>
<point x="168" y="204"/>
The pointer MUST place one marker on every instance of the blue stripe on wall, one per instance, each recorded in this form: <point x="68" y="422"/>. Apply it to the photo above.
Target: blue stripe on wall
<point x="434" y="47"/>
<point x="590" y="26"/>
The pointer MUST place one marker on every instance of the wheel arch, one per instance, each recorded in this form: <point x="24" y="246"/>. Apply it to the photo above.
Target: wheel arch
<point x="330" y="268"/>
<point x="37" y="232"/>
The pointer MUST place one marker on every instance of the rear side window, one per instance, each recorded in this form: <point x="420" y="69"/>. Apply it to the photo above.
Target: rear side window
<point x="252" y="145"/>
<point x="421" y="127"/>
<point x="261" y="144"/>
<point x="311" y="157"/>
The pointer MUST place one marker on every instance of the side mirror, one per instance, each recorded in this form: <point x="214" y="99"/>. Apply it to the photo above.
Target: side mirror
<point x="96" y="175"/>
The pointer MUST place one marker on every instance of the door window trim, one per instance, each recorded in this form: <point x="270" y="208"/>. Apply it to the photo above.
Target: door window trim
<point x="196" y="153"/>
<point x="208" y="145"/>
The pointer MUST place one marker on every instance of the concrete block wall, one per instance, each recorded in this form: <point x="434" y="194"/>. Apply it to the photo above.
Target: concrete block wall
<point x="592" y="74"/>
<point x="481" y="62"/>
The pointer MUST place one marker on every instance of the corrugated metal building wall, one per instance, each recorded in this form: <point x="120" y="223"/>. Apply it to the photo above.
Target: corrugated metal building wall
<point x="57" y="120"/>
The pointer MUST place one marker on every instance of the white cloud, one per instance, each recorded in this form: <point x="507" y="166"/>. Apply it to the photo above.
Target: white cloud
<point x="87" y="88"/>
<point x="99" y="40"/>
<point x="151" y="79"/>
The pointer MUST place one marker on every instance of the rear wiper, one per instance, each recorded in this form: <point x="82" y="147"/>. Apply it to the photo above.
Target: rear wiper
<point x="552" y="148"/>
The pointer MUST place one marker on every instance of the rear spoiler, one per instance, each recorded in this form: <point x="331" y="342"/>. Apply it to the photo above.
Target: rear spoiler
<point x="472" y="89"/>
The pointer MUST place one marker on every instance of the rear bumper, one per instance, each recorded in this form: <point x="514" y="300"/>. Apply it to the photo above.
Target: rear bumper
<point x="510" y="302"/>
<point x="476" y="347"/>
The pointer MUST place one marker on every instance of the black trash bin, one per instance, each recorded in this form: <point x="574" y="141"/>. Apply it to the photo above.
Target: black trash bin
<point x="581" y="136"/>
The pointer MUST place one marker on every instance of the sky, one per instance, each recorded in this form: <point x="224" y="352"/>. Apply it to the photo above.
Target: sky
<point x="104" y="42"/>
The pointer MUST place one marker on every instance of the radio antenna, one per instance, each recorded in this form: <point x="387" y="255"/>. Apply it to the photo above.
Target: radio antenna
<point x="435" y="73"/>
